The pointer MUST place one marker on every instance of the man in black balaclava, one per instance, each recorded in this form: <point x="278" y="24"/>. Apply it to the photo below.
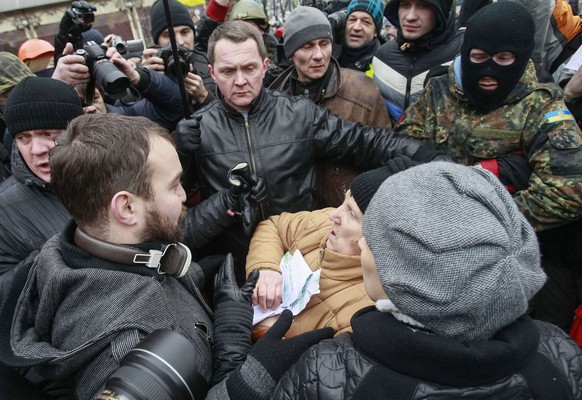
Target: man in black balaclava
<point x="494" y="55"/>
<point x="491" y="111"/>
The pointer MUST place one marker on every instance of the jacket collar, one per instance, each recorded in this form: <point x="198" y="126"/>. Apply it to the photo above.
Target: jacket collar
<point x="335" y="81"/>
<point x="22" y="173"/>
<point x="255" y="105"/>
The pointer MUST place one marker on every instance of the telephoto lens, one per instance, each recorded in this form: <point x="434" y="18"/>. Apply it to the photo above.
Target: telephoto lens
<point x="163" y="366"/>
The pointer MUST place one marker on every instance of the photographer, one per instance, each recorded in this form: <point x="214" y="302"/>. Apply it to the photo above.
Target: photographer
<point x="160" y="98"/>
<point x="199" y="84"/>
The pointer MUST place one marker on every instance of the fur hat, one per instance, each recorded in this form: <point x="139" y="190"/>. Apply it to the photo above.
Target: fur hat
<point x="303" y="25"/>
<point x="452" y="250"/>
<point x="180" y="16"/>
<point x="41" y="103"/>
<point x="372" y="7"/>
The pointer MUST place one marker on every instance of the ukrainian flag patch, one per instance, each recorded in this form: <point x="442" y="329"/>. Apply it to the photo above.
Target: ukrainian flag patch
<point x="559" y="115"/>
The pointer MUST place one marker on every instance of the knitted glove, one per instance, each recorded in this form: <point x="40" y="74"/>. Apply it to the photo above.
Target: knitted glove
<point x="269" y="358"/>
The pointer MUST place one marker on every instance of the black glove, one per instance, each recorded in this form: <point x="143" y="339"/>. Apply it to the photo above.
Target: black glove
<point x="514" y="171"/>
<point x="187" y="138"/>
<point x="427" y="153"/>
<point x="77" y="19"/>
<point x="258" y="189"/>
<point x="226" y="288"/>
<point x="246" y="191"/>
<point x="275" y="355"/>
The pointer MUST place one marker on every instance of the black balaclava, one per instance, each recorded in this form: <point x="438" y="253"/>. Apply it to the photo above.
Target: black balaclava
<point x="501" y="26"/>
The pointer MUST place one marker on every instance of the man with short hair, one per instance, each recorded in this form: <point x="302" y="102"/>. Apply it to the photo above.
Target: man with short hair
<point x="278" y="136"/>
<point x="427" y="40"/>
<point x="36" y="113"/>
<point x="315" y="74"/>
<point x="117" y="272"/>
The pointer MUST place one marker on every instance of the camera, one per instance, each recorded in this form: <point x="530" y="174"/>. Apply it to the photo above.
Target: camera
<point x="111" y="79"/>
<point x="170" y="67"/>
<point x="82" y="15"/>
<point x="129" y="47"/>
<point x="162" y="366"/>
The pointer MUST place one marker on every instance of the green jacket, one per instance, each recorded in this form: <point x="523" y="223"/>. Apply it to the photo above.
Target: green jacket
<point x="534" y="119"/>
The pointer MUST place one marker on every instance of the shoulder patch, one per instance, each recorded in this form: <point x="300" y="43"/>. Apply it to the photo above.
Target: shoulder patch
<point x="559" y="115"/>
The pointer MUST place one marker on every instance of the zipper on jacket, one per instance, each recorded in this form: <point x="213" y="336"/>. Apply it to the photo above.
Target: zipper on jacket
<point x="253" y="164"/>
<point x="203" y="330"/>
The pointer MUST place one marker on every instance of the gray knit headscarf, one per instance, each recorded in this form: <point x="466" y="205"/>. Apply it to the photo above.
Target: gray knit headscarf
<point x="452" y="250"/>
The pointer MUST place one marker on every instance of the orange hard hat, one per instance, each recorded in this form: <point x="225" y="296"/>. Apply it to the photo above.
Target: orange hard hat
<point x="34" y="48"/>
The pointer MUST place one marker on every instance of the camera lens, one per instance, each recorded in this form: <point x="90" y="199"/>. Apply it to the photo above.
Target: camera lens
<point x="113" y="81"/>
<point x="163" y="366"/>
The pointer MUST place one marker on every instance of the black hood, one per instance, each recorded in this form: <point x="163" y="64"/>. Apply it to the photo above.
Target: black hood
<point x="445" y="26"/>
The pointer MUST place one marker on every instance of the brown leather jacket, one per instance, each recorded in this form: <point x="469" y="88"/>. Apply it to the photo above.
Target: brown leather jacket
<point x="353" y="96"/>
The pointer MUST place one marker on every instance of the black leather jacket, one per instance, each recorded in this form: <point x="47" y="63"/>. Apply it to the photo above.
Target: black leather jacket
<point x="280" y="138"/>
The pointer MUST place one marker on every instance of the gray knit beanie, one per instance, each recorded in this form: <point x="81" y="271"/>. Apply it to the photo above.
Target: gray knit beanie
<point x="303" y="25"/>
<point x="452" y="250"/>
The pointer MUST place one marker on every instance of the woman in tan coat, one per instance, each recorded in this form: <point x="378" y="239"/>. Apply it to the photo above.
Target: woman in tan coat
<point x="327" y="239"/>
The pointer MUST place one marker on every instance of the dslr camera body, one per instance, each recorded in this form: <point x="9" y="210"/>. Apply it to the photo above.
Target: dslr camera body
<point x="112" y="80"/>
<point x="170" y="67"/>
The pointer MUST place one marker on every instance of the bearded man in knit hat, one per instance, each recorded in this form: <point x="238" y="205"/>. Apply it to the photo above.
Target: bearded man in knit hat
<point x="199" y="85"/>
<point x="36" y="113"/>
<point x="316" y="75"/>
<point x="491" y="110"/>
<point x="450" y="263"/>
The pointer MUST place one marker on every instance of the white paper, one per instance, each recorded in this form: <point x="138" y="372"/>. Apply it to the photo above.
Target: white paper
<point x="299" y="284"/>
<point x="575" y="61"/>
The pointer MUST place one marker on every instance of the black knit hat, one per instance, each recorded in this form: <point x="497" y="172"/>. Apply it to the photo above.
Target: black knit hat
<point x="180" y="16"/>
<point x="365" y="185"/>
<point x="41" y="103"/>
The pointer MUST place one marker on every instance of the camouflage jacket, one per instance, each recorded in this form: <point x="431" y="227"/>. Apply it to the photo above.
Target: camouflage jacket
<point x="534" y="119"/>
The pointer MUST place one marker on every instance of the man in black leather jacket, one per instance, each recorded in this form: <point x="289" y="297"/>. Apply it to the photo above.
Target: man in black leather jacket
<point x="276" y="135"/>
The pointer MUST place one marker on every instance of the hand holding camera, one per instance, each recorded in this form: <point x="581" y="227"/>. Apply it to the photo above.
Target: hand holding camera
<point x="78" y="19"/>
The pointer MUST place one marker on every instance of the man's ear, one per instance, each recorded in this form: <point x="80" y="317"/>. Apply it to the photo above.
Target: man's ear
<point x="266" y="63"/>
<point x="125" y="208"/>
<point x="211" y="70"/>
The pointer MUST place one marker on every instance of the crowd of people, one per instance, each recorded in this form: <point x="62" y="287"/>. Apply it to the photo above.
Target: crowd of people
<point x="432" y="176"/>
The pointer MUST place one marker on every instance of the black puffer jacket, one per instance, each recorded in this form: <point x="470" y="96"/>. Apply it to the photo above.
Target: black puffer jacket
<point x="280" y="138"/>
<point x="29" y="215"/>
<point x="386" y="359"/>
